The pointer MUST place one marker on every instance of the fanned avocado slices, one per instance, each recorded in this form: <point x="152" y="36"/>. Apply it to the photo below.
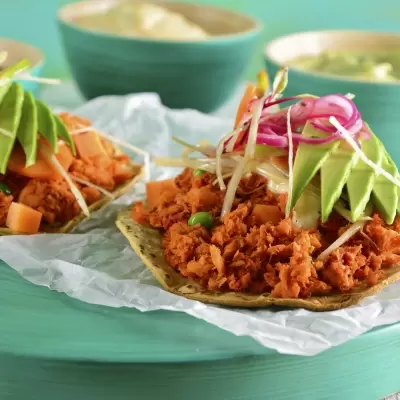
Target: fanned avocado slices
<point x="23" y="117"/>
<point x="308" y="161"/>
<point x="362" y="177"/>
<point x="28" y="129"/>
<point x="385" y="193"/>
<point x="334" y="174"/>
<point x="10" y="113"/>
<point x="47" y="124"/>
<point x="62" y="132"/>
<point x="340" y="167"/>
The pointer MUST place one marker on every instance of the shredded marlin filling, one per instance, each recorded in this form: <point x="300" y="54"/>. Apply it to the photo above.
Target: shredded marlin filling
<point x="257" y="252"/>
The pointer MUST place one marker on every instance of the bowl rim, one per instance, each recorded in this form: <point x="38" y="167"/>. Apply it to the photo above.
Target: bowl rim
<point x="257" y="25"/>
<point x="35" y="62"/>
<point x="275" y="42"/>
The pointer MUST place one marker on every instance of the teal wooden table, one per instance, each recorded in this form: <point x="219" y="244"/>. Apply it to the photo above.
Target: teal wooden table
<point x="55" y="347"/>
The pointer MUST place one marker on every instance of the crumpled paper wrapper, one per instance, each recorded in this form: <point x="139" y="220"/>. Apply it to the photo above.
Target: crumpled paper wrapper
<point x="96" y="264"/>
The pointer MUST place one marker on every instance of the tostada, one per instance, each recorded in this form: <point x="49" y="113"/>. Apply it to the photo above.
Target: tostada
<point x="297" y="206"/>
<point x="54" y="168"/>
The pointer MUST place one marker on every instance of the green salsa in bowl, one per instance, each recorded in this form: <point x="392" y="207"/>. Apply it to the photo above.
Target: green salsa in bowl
<point x="366" y="64"/>
<point x="374" y="66"/>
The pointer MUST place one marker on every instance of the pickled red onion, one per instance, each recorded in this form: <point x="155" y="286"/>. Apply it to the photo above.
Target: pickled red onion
<point x="272" y="140"/>
<point x="272" y="128"/>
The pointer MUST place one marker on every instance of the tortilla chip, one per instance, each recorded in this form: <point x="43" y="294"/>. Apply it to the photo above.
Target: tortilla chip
<point x="104" y="201"/>
<point x="146" y="241"/>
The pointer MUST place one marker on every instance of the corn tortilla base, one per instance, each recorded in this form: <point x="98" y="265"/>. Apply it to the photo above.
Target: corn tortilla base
<point x="147" y="243"/>
<point x="104" y="201"/>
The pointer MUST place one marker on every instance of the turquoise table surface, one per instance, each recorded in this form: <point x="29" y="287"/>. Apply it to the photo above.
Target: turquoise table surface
<point x="55" y="347"/>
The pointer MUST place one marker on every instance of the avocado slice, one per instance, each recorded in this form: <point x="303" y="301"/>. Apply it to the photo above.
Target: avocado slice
<point x="380" y="195"/>
<point x="385" y="193"/>
<point x="63" y="133"/>
<point x="397" y="175"/>
<point x="28" y="129"/>
<point x="398" y="188"/>
<point x="334" y="174"/>
<point x="10" y="114"/>
<point x="47" y="124"/>
<point x="394" y="171"/>
<point x="362" y="177"/>
<point x="3" y="90"/>
<point x="309" y="159"/>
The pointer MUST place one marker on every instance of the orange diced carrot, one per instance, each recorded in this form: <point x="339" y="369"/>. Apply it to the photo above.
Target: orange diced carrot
<point x="88" y="144"/>
<point x="23" y="219"/>
<point x="43" y="167"/>
<point x="39" y="170"/>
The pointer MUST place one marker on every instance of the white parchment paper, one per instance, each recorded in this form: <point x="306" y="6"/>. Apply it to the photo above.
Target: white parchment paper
<point x="96" y="265"/>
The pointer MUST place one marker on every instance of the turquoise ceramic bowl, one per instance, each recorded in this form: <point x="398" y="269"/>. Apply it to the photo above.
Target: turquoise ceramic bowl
<point x="18" y="50"/>
<point x="186" y="74"/>
<point x="378" y="102"/>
